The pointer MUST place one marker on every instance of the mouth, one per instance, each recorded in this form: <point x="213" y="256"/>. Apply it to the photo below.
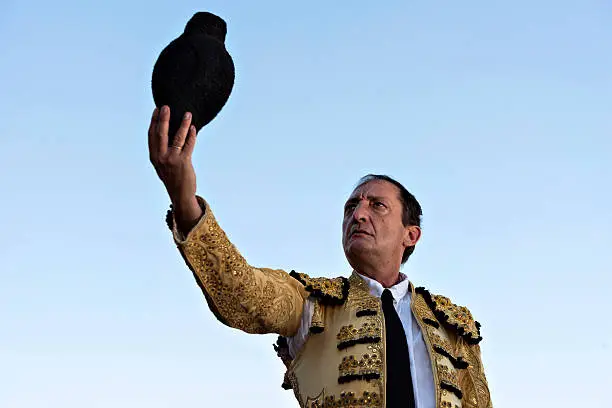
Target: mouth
<point x="360" y="233"/>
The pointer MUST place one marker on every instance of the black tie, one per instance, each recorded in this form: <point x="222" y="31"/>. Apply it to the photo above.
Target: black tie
<point x="400" y="393"/>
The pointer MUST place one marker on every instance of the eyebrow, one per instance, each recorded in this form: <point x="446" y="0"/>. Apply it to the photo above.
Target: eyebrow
<point x="370" y="198"/>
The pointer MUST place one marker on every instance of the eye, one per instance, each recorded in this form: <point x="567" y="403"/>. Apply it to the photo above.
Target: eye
<point x="379" y="204"/>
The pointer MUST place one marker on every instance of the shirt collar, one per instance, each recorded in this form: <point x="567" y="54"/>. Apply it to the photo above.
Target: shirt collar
<point x="399" y="290"/>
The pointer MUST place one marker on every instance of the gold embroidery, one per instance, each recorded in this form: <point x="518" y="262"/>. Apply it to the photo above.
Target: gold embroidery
<point x="443" y="347"/>
<point x="448" y="375"/>
<point x="291" y="378"/>
<point x="349" y="400"/>
<point x="449" y="380"/>
<point x="360" y="299"/>
<point x="369" y="366"/>
<point x="438" y="341"/>
<point x="368" y="307"/>
<point x="473" y="380"/>
<point x="458" y="316"/>
<point x="364" y="303"/>
<point x="316" y="402"/>
<point x="369" y="332"/>
<point x="423" y="312"/>
<point x="241" y="296"/>
<point x="333" y="290"/>
<point x="316" y="324"/>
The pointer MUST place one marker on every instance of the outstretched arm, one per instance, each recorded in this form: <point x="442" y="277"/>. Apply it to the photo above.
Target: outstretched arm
<point x="255" y="300"/>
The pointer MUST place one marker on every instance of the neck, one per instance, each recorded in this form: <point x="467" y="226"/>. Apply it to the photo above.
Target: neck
<point x="387" y="277"/>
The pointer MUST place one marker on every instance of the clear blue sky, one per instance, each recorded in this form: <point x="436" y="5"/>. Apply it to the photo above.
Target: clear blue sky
<point x="496" y="116"/>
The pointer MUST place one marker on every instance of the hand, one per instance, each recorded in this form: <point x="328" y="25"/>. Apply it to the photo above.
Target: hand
<point x="174" y="166"/>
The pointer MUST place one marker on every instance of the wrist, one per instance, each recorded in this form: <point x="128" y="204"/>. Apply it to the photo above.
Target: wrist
<point x="185" y="203"/>
<point x="187" y="213"/>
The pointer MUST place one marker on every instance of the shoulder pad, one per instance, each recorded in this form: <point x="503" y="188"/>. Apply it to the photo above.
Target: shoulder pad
<point x="332" y="291"/>
<point x="458" y="317"/>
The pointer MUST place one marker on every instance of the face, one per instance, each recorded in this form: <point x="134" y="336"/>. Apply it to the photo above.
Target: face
<point x="372" y="229"/>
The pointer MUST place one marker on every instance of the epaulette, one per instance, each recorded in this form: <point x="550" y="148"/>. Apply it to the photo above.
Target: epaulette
<point x="331" y="291"/>
<point x="458" y="317"/>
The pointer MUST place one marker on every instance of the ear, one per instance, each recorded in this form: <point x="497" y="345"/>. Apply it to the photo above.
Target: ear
<point x="412" y="234"/>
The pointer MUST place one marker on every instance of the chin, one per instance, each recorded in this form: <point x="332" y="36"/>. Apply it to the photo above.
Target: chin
<point x="355" y="254"/>
<point x="359" y="245"/>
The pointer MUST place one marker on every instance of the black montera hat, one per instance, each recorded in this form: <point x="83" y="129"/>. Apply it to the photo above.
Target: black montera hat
<point x="194" y="72"/>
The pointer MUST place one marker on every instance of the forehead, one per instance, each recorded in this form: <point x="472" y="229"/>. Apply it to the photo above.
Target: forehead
<point x="376" y="188"/>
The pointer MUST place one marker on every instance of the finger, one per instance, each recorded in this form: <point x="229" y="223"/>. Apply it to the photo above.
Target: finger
<point x="152" y="129"/>
<point x="190" y="142"/>
<point x="162" y="130"/>
<point x="181" y="133"/>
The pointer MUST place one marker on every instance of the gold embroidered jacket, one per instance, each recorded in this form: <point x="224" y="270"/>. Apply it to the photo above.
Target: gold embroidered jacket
<point x="342" y="364"/>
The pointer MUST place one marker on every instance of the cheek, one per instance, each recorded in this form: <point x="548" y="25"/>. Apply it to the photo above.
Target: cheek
<point x="345" y="223"/>
<point x="387" y="232"/>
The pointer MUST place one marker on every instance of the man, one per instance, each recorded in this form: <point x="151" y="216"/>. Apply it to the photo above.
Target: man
<point x="370" y="340"/>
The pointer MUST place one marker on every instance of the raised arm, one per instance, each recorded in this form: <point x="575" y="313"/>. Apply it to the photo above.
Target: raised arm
<point x="254" y="300"/>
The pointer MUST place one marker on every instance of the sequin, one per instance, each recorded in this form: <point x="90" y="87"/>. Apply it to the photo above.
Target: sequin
<point x="370" y="331"/>
<point x="254" y="300"/>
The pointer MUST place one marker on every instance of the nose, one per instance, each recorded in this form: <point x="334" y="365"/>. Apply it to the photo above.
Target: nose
<point x="360" y="212"/>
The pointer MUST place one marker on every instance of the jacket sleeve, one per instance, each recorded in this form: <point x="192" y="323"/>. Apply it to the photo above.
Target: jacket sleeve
<point x="244" y="297"/>
<point x="473" y="381"/>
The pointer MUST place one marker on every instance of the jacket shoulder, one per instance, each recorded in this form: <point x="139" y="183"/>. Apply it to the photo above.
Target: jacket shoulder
<point x="332" y="291"/>
<point x="459" y="318"/>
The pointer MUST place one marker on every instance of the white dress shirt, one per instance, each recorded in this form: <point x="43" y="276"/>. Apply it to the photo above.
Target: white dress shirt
<point x="420" y="363"/>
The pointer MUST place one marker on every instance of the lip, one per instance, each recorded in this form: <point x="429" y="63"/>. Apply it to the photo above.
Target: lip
<point x="360" y="233"/>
